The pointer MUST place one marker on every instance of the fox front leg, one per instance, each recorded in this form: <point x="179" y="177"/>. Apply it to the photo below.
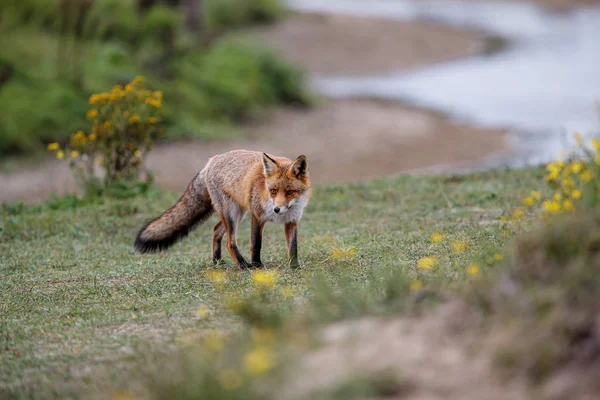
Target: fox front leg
<point x="256" y="241"/>
<point x="291" y="238"/>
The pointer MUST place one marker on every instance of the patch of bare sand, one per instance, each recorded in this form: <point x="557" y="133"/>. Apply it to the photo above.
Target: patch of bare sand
<point x="429" y="357"/>
<point x="348" y="45"/>
<point x="348" y="140"/>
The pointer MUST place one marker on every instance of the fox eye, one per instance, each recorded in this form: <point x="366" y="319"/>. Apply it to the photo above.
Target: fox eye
<point x="273" y="192"/>
<point x="290" y="192"/>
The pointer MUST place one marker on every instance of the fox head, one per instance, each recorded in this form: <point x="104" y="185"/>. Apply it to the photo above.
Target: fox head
<point x="288" y="183"/>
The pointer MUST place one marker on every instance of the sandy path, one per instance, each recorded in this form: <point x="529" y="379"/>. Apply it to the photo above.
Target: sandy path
<point x="345" y="140"/>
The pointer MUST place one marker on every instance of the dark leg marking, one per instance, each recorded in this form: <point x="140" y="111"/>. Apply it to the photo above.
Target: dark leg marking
<point x="219" y="232"/>
<point x="256" y="241"/>
<point x="230" y="227"/>
<point x="291" y="237"/>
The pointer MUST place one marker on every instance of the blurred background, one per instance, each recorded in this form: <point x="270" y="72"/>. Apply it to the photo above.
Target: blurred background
<point x="365" y="89"/>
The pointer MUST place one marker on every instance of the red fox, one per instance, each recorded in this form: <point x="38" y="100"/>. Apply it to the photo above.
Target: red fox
<point x="232" y="184"/>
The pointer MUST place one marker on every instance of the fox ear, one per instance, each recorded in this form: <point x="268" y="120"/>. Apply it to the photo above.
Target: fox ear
<point x="300" y="167"/>
<point x="269" y="164"/>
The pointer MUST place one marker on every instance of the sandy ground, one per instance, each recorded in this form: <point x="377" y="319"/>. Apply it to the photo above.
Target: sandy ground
<point x="342" y="45"/>
<point x="344" y="140"/>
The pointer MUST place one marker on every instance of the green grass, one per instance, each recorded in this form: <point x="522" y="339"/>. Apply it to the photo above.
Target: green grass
<point x="79" y="310"/>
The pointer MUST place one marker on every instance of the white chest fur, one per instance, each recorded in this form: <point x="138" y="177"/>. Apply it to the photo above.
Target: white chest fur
<point x="294" y="213"/>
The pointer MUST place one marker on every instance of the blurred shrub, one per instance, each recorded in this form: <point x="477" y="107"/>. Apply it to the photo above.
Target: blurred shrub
<point x="545" y="304"/>
<point x="23" y="12"/>
<point x="37" y="112"/>
<point x="236" y="81"/>
<point x="113" y="19"/>
<point x="222" y="15"/>
<point x="160" y="24"/>
<point x="125" y="125"/>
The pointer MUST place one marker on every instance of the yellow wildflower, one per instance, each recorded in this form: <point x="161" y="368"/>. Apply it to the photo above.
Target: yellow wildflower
<point x="264" y="279"/>
<point x="339" y="253"/>
<point x="427" y="262"/>
<point x="586" y="176"/>
<point x="517" y="213"/>
<point x="230" y="379"/>
<point x="596" y="144"/>
<point x="152" y="120"/>
<point x="436" y="237"/>
<point x="93" y="113"/>
<point x="568" y="205"/>
<point x="60" y="154"/>
<point x="473" y="269"/>
<point x="576" y="194"/>
<point x="459" y="246"/>
<point x="557" y="197"/>
<point x="578" y="138"/>
<point x="498" y="257"/>
<point x="92" y="137"/>
<point x="536" y="195"/>
<point x="138" y="80"/>
<point x="552" y="176"/>
<point x="53" y="146"/>
<point x="552" y="206"/>
<point x="154" y="103"/>
<point x="217" y="277"/>
<point x="259" y="361"/>
<point x="202" y="312"/>
<point x="416" y="285"/>
<point x="134" y="118"/>
<point x="577" y="167"/>
<point x="528" y="201"/>
<point x="74" y="154"/>
<point x="107" y="124"/>
<point x="138" y="154"/>
<point x="95" y="98"/>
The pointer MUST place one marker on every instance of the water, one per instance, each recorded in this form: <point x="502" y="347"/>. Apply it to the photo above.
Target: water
<point x="543" y="87"/>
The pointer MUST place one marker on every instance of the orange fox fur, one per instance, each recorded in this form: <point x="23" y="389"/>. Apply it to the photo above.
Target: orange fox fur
<point x="232" y="184"/>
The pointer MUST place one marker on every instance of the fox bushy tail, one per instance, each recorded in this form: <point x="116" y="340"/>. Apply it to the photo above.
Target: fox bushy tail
<point x="193" y="208"/>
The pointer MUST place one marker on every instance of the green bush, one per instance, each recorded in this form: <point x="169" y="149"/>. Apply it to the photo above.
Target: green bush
<point x="113" y="20"/>
<point x="222" y="15"/>
<point x="160" y="22"/>
<point x="544" y="305"/>
<point x="37" y="112"/>
<point x="237" y="81"/>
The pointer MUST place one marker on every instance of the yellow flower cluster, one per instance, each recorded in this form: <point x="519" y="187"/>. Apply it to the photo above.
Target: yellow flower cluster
<point x="217" y="277"/>
<point x="427" y="262"/>
<point x="124" y="126"/>
<point x="344" y="253"/>
<point x="259" y="360"/>
<point x="264" y="279"/>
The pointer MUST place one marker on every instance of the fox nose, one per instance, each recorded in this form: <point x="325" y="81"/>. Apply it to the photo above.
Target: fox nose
<point x="276" y="209"/>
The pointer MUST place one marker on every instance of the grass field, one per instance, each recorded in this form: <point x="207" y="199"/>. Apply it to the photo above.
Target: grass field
<point x="77" y="306"/>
